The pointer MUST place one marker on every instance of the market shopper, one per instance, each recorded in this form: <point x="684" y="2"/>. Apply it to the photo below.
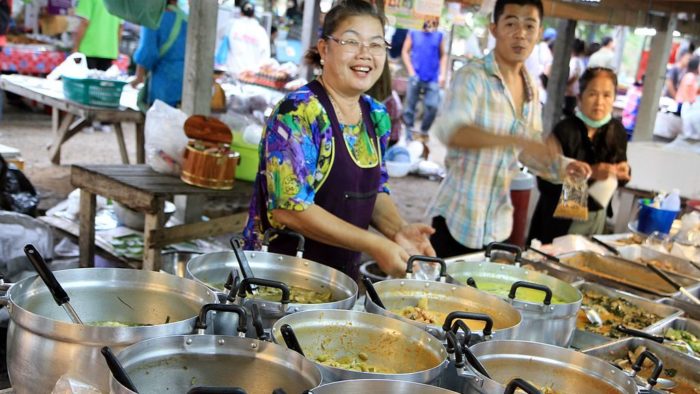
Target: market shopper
<point x="322" y="171"/>
<point x="246" y="45"/>
<point x="425" y="59"/>
<point x="605" y="56"/>
<point x="576" y="69"/>
<point x="592" y="136"/>
<point x="674" y="74"/>
<point x="161" y="56"/>
<point x="492" y="118"/>
<point x="97" y="37"/>
<point x="688" y="86"/>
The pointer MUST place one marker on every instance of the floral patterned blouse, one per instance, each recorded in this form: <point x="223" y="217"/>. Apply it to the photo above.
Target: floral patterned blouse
<point x="296" y="155"/>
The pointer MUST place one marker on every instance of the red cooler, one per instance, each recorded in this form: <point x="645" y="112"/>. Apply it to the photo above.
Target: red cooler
<point x="520" y="188"/>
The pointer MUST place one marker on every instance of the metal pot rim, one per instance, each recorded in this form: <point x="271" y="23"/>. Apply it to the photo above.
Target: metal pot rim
<point x="438" y="328"/>
<point x="65" y="330"/>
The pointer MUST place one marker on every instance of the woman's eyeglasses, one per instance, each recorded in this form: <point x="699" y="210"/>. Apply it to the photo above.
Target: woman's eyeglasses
<point x="355" y="46"/>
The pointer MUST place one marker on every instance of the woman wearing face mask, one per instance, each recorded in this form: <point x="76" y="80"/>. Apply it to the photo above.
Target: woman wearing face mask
<point x="593" y="136"/>
<point x="322" y="171"/>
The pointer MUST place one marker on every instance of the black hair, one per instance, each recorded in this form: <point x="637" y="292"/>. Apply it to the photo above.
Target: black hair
<point x="340" y="12"/>
<point x="693" y="64"/>
<point x="592" y="73"/>
<point x="273" y="29"/>
<point x="606" y="40"/>
<point x="592" y="48"/>
<point x="579" y="47"/>
<point x="501" y="5"/>
<point x="247" y="9"/>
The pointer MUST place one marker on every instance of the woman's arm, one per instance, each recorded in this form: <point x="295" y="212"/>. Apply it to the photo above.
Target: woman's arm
<point x="322" y="226"/>
<point x="413" y="237"/>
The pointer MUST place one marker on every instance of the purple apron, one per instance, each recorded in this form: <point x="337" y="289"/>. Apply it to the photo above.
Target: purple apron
<point x="349" y="193"/>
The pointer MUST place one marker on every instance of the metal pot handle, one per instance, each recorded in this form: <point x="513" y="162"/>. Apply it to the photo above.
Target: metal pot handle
<point x="453" y="346"/>
<point x="216" y="390"/>
<point x="658" y="366"/>
<point x="514" y="249"/>
<point x="275" y="231"/>
<point x="4" y="288"/>
<point x="201" y="324"/>
<point x="468" y="316"/>
<point x="518" y="383"/>
<point x="246" y="283"/>
<point x="472" y="283"/>
<point x="258" y="324"/>
<point x="521" y="283"/>
<point x="461" y="325"/>
<point x="427" y="259"/>
<point x="638" y="333"/>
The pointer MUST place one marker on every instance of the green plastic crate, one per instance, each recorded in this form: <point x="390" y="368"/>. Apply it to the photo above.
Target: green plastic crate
<point x="94" y="92"/>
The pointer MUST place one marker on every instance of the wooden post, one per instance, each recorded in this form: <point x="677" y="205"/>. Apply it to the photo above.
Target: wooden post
<point x="309" y="33"/>
<point x="86" y="240"/>
<point x="559" y="74"/>
<point x="654" y="80"/>
<point x="620" y="37"/>
<point x="199" y="57"/>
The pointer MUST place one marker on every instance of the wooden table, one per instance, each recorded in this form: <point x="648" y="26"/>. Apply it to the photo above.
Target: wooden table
<point x="76" y="116"/>
<point x="144" y="190"/>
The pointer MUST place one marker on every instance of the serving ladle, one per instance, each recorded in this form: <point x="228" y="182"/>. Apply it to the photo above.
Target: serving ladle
<point x="57" y="291"/>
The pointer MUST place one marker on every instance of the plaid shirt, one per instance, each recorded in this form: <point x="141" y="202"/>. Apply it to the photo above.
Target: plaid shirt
<point x="474" y="197"/>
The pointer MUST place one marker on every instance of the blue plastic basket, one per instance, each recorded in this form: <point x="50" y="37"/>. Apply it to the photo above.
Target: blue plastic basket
<point x="652" y="219"/>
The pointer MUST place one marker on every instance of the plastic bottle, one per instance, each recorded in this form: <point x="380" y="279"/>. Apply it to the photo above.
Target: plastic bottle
<point x="672" y="202"/>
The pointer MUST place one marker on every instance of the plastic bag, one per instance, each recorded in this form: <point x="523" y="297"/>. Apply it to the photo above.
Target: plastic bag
<point x="573" y="201"/>
<point x="67" y="384"/>
<point x="165" y="139"/>
<point x="17" y="230"/>
<point x="16" y="191"/>
<point x="75" y="66"/>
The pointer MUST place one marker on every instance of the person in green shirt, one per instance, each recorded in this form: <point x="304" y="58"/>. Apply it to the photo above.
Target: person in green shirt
<point x="98" y="35"/>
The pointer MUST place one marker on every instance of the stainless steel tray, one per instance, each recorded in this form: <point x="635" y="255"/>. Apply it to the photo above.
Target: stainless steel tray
<point x="594" y="267"/>
<point x="681" y="323"/>
<point x="674" y="264"/>
<point x="691" y="310"/>
<point x="686" y="367"/>
<point x="584" y="339"/>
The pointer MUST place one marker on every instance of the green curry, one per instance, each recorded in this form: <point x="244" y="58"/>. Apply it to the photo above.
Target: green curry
<point x="502" y="289"/>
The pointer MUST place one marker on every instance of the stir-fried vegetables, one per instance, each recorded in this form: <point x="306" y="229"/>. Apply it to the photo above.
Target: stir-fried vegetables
<point x="685" y="336"/>
<point x="613" y="311"/>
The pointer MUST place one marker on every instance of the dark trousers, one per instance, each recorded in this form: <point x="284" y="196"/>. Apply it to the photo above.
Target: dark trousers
<point x="444" y="244"/>
<point x="99" y="63"/>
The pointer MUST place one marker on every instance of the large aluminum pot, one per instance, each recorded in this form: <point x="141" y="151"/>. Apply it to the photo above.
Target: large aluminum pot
<point x="442" y="299"/>
<point x="404" y="350"/>
<point x="378" y="386"/>
<point x="544" y="366"/>
<point x="42" y="343"/>
<point x="552" y="323"/>
<point x="178" y="363"/>
<point x="212" y="269"/>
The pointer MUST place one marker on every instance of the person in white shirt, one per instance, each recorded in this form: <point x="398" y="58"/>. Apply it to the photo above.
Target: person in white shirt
<point x="539" y="62"/>
<point x="605" y="56"/>
<point x="247" y="44"/>
<point x="576" y="69"/>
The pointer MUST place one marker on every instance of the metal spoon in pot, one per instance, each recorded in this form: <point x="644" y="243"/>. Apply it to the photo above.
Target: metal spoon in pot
<point x="59" y="295"/>
<point x="372" y="292"/>
<point x="592" y="315"/>
<point x="117" y="370"/>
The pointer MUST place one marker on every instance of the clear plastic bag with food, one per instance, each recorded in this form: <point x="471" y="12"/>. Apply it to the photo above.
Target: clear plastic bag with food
<point x="573" y="201"/>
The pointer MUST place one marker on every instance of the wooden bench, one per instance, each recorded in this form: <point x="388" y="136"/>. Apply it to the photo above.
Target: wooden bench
<point x="144" y="190"/>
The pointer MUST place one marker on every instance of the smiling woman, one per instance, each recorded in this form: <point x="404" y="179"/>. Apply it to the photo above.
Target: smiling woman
<point x="322" y="171"/>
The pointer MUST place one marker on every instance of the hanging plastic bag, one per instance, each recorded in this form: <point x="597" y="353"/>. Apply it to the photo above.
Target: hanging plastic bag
<point x="165" y="139"/>
<point x="573" y="201"/>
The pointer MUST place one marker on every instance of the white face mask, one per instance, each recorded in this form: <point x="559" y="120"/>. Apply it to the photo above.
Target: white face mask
<point x="593" y="123"/>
